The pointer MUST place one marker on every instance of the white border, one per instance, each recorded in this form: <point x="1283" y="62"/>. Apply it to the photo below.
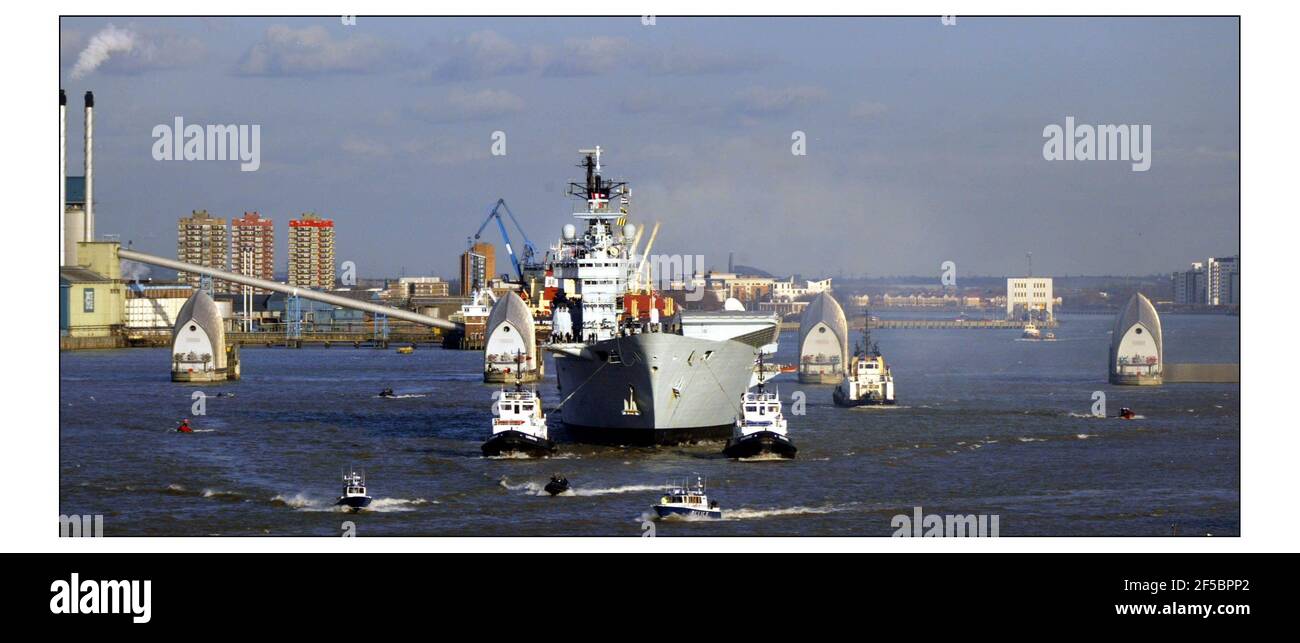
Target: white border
<point x="1269" y="437"/>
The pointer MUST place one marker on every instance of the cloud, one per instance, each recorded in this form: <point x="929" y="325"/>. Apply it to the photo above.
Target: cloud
<point x="460" y="105"/>
<point x="483" y="54"/>
<point x="679" y="61"/>
<point x="312" y="51"/>
<point x="867" y="110"/>
<point x="488" y="54"/>
<point x="767" y="101"/>
<point x="587" y="56"/>
<point x="131" y="51"/>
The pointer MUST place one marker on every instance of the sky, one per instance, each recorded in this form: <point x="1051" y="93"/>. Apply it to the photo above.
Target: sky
<point x="924" y="141"/>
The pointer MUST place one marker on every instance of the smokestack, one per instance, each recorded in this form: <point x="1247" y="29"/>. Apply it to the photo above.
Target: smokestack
<point x="63" y="171"/>
<point x="89" y="233"/>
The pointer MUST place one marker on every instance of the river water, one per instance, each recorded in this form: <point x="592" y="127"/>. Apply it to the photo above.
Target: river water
<point x="986" y="424"/>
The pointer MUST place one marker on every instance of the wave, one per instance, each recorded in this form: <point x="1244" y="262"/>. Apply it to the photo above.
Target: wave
<point x="536" y="489"/>
<point x="753" y="514"/>
<point x="304" y="502"/>
<point x="1084" y="436"/>
<point x="403" y="396"/>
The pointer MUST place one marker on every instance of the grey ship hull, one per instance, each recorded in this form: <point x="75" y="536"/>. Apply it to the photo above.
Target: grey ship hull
<point x="594" y="386"/>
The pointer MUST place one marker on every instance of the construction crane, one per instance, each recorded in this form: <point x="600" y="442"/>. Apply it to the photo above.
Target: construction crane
<point x="529" y="251"/>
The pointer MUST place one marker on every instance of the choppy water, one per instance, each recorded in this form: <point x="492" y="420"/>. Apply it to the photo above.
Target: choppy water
<point x="985" y="424"/>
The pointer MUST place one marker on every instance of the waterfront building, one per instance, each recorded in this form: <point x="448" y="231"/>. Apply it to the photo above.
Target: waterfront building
<point x="201" y="240"/>
<point x="1222" y="281"/>
<point x="252" y="247"/>
<point x="1030" y="297"/>
<point x="311" y="252"/>
<point x="477" y="268"/>
<point x="1189" y="285"/>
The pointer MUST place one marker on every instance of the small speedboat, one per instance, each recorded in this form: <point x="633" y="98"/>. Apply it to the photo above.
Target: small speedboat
<point x="406" y="350"/>
<point x="519" y="427"/>
<point x="388" y="392"/>
<point x="354" y="491"/>
<point x="1127" y="414"/>
<point x="761" y="428"/>
<point x="558" y="485"/>
<point x="688" y="502"/>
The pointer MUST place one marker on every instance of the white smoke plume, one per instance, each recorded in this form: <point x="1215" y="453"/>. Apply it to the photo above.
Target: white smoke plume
<point x="108" y="41"/>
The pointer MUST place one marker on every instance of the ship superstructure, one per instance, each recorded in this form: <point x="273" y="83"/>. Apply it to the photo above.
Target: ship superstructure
<point x="631" y="367"/>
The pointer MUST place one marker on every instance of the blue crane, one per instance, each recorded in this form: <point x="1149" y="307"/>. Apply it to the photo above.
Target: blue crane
<point x="529" y="250"/>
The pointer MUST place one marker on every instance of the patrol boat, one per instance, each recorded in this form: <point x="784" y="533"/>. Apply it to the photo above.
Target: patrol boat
<point x="761" y="427"/>
<point x="519" y="427"/>
<point x="354" y="491"/>
<point x="688" y="502"/>
<point x="868" y="380"/>
<point x="632" y="369"/>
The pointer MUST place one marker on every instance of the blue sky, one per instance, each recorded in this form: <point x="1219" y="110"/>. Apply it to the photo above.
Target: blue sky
<point x="924" y="140"/>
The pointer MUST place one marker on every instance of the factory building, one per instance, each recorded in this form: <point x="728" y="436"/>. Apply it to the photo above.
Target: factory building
<point x="201" y="239"/>
<point x="252" y="247"/>
<point x="477" y="268"/>
<point x="152" y="308"/>
<point x="76" y="193"/>
<point x="311" y="252"/>
<point x="1030" y="298"/>
<point x="1137" y="344"/>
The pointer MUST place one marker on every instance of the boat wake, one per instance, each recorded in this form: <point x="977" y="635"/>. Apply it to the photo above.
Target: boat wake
<point x="539" y="489"/>
<point x="303" y="502"/>
<point x="753" y="514"/>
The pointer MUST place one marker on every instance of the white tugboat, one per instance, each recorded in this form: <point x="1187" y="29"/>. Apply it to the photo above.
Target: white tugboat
<point x="688" y="502"/>
<point x="354" y="491"/>
<point x="868" y="380"/>
<point x="761" y="428"/>
<point x="1031" y="332"/>
<point x="519" y="426"/>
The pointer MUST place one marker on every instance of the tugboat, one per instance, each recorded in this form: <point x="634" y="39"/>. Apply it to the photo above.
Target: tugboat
<point x="520" y="425"/>
<point x="1031" y="332"/>
<point x="761" y="428"/>
<point x="558" y="485"/>
<point x="868" y="380"/>
<point x="689" y="502"/>
<point x="354" y="491"/>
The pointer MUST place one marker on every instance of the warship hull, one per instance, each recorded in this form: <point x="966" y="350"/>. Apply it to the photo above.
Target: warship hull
<point x="653" y="388"/>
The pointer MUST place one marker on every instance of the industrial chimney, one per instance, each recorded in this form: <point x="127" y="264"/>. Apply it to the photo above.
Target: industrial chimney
<point x="89" y="231"/>
<point x="63" y="172"/>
